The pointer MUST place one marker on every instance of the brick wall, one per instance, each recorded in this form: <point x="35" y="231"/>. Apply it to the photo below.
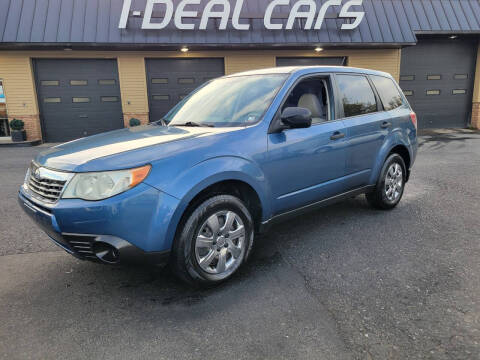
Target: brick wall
<point x="32" y="125"/>
<point x="476" y="115"/>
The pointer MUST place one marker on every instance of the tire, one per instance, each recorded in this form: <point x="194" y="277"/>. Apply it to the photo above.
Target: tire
<point x="208" y="252"/>
<point x="390" y="185"/>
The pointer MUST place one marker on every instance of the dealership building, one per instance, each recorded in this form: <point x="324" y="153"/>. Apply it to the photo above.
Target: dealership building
<point x="73" y="68"/>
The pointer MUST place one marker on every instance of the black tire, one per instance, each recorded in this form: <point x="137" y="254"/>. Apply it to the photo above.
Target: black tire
<point x="378" y="198"/>
<point x="184" y="256"/>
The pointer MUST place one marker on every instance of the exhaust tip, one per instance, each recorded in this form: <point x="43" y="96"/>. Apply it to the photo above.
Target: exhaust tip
<point x="106" y="252"/>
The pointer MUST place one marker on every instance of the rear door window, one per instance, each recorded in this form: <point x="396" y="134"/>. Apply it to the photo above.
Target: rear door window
<point x="388" y="92"/>
<point x="356" y="95"/>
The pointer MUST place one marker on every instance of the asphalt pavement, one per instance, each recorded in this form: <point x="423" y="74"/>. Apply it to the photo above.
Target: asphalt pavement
<point x="343" y="282"/>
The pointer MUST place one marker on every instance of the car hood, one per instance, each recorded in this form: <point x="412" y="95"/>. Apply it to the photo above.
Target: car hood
<point x="71" y="155"/>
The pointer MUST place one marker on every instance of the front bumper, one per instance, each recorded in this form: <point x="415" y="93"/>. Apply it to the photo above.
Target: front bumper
<point x="128" y="228"/>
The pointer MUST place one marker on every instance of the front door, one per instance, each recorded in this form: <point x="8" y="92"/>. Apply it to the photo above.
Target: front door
<point x="306" y="165"/>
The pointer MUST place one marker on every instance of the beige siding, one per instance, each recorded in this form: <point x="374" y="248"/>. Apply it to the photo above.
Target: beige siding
<point x="383" y="60"/>
<point x="18" y="83"/>
<point x="132" y="76"/>
<point x="235" y="63"/>
<point x="476" y="90"/>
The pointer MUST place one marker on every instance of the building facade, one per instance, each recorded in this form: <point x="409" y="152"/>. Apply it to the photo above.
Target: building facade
<point x="72" y="68"/>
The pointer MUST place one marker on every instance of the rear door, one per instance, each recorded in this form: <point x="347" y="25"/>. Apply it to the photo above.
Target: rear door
<point x="392" y="101"/>
<point x="366" y="125"/>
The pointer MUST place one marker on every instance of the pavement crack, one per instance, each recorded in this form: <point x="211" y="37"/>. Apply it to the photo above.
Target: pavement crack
<point x="314" y="293"/>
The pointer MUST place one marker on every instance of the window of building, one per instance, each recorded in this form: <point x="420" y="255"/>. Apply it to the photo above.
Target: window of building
<point x="460" y="76"/>
<point x="408" y="92"/>
<point x="434" y="77"/>
<point x="109" y="98"/>
<point x="314" y="95"/>
<point x="459" y="91"/>
<point x="160" y="81"/>
<point x="52" y="100"/>
<point x="107" y="82"/>
<point x="78" y="82"/>
<point x="161" y="97"/>
<point x="356" y="95"/>
<point x="50" y="83"/>
<point x="433" y="92"/>
<point x="388" y="92"/>
<point x="81" y="99"/>
<point x="4" y="127"/>
<point x="186" y="80"/>
<point x="407" y="77"/>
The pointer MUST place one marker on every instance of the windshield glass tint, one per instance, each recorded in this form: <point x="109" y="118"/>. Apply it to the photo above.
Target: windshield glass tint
<point x="227" y="102"/>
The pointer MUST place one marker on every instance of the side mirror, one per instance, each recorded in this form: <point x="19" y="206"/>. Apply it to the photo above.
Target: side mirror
<point x="296" y="117"/>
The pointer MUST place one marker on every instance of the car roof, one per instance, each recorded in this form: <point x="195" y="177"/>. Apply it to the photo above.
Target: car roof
<point x="303" y="70"/>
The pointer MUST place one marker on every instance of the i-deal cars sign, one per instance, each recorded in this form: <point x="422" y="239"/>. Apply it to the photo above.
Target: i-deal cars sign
<point x="227" y="10"/>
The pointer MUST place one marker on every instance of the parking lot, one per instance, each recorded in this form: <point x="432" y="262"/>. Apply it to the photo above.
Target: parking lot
<point x="343" y="282"/>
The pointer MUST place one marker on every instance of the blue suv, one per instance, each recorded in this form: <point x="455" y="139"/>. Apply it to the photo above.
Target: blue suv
<point x="238" y="154"/>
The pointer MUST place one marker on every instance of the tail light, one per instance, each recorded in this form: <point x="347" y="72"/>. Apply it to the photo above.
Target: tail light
<point x="413" y="117"/>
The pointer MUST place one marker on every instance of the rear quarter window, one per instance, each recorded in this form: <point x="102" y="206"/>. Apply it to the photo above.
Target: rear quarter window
<point x="388" y="92"/>
<point x="356" y="95"/>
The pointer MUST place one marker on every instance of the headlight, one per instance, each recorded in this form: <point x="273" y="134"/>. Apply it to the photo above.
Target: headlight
<point x="102" y="185"/>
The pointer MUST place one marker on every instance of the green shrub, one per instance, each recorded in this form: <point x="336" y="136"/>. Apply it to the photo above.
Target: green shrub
<point x="135" y="122"/>
<point x="17" y="125"/>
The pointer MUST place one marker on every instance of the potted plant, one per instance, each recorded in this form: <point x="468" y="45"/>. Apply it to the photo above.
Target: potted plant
<point x="18" y="133"/>
<point x="134" y="122"/>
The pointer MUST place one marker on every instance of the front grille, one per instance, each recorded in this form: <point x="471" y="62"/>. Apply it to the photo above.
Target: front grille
<point x="45" y="184"/>
<point x="48" y="190"/>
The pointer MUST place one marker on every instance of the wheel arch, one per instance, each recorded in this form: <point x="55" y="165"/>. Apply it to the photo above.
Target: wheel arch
<point x="242" y="179"/>
<point x="402" y="150"/>
<point x="394" y="144"/>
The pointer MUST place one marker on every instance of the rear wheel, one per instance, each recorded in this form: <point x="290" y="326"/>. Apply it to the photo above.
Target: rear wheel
<point x="214" y="242"/>
<point x="390" y="185"/>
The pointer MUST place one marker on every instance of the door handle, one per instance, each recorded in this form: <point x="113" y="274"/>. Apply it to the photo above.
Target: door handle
<point x="337" y="135"/>
<point x="385" y="125"/>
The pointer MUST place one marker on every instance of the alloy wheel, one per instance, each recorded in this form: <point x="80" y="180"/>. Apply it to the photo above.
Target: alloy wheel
<point x="394" y="182"/>
<point x="220" y="243"/>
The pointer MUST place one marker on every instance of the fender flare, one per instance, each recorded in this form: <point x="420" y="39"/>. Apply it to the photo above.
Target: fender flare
<point x="394" y="139"/>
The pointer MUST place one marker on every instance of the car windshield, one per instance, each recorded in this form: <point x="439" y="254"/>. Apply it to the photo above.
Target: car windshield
<point x="227" y="102"/>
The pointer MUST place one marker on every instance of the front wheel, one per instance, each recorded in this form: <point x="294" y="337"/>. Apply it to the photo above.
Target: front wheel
<point x="214" y="242"/>
<point x="390" y="185"/>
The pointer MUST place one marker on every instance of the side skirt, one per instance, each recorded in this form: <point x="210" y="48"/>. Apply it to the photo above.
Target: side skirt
<point x="265" y="226"/>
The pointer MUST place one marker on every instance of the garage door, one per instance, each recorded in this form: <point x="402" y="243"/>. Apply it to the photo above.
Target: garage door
<point x="77" y="97"/>
<point x="311" y="61"/>
<point x="170" y="80"/>
<point x="437" y="78"/>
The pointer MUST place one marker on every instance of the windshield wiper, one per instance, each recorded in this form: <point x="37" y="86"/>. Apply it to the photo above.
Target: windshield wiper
<point x="161" y="122"/>
<point x="194" y="124"/>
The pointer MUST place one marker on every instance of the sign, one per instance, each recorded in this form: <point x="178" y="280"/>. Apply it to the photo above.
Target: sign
<point x="230" y="10"/>
<point x="2" y="94"/>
